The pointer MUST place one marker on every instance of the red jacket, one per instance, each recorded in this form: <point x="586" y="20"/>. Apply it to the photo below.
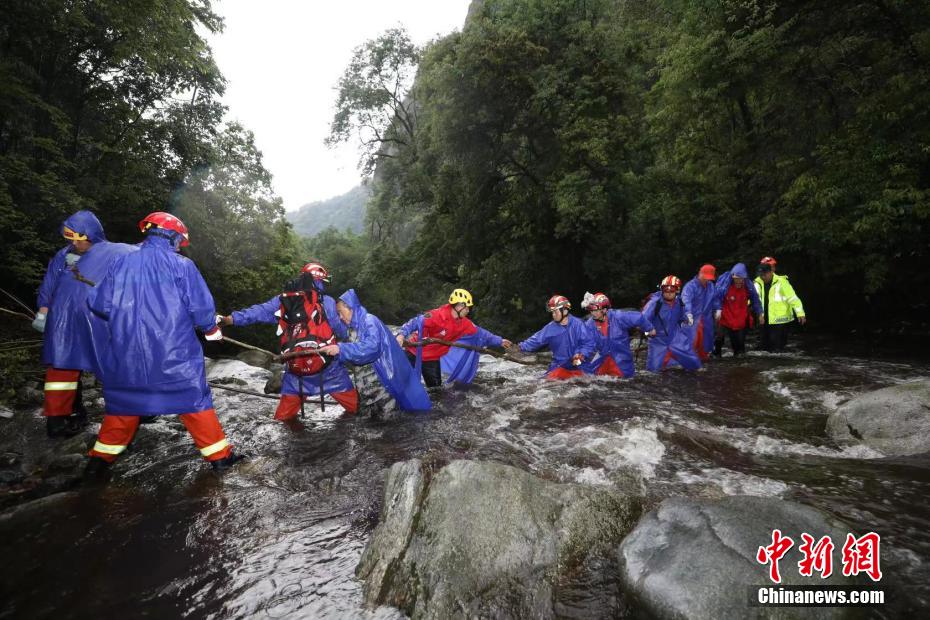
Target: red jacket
<point x="439" y="323"/>
<point x="735" y="308"/>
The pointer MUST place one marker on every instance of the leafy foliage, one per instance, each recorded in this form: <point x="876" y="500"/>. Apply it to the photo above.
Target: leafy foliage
<point x="564" y="146"/>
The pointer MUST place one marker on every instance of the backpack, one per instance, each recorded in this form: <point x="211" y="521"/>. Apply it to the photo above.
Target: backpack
<point x="303" y="327"/>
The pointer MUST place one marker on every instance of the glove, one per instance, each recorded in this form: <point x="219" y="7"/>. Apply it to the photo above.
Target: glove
<point x="717" y="315"/>
<point x="38" y="323"/>
<point x="72" y="259"/>
<point x="214" y="334"/>
<point x="690" y="319"/>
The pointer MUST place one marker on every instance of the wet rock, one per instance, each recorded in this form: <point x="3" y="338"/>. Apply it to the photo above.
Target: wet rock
<point x="236" y="372"/>
<point x="28" y="394"/>
<point x="67" y="463"/>
<point x="696" y="558"/>
<point x="488" y="540"/>
<point x="273" y="385"/>
<point x="894" y="420"/>
<point x="256" y="358"/>
<point x="34" y="511"/>
<point x="6" y="413"/>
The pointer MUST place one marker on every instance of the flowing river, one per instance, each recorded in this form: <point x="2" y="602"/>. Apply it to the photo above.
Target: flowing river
<point x="280" y="535"/>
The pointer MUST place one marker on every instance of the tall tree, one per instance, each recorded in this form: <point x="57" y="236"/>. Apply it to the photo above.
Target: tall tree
<point x="104" y="105"/>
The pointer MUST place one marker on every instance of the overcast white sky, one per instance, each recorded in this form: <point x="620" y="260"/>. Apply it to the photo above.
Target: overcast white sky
<point x="282" y="59"/>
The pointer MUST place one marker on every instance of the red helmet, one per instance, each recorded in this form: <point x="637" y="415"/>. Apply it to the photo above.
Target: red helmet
<point x="599" y="301"/>
<point x="670" y="283"/>
<point x="316" y="270"/>
<point x="160" y="219"/>
<point x="768" y="260"/>
<point x="558" y="301"/>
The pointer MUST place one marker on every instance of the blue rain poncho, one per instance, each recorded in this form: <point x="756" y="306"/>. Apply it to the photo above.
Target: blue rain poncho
<point x="672" y="345"/>
<point x="69" y="341"/>
<point x="461" y="365"/>
<point x="375" y="344"/>
<point x="700" y="301"/>
<point x="616" y="343"/>
<point x="726" y="279"/>
<point x="334" y="379"/>
<point x="153" y="301"/>
<point x="564" y="341"/>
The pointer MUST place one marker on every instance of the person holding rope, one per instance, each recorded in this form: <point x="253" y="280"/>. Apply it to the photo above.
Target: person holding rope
<point x="306" y="320"/>
<point x="672" y="344"/>
<point x="154" y="301"/>
<point x="569" y="339"/>
<point x="611" y="332"/>
<point x="67" y="324"/>
<point x="449" y="323"/>
<point x="699" y="297"/>
<point x="371" y="342"/>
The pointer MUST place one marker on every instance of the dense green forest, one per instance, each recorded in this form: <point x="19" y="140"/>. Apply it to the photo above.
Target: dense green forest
<point x="549" y="146"/>
<point x="567" y="145"/>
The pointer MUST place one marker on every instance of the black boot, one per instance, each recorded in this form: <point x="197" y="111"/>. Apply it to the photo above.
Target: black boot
<point x="223" y="464"/>
<point x="96" y="469"/>
<point x="63" y="426"/>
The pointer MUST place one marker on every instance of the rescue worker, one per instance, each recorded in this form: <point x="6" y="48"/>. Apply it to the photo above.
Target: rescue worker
<point x="334" y="379"/>
<point x="780" y="305"/>
<point x="152" y="301"/>
<point x="699" y="297"/>
<point x="735" y="298"/>
<point x="448" y="322"/>
<point x="610" y="330"/>
<point x="69" y="345"/>
<point x="569" y="339"/>
<point x="371" y="342"/>
<point x="672" y="345"/>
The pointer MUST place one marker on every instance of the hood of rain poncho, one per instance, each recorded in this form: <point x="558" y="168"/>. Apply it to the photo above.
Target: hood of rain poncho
<point x="726" y="279"/>
<point x="396" y="375"/>
<point x="74" y="337"/>
<point x="87" y="224"/>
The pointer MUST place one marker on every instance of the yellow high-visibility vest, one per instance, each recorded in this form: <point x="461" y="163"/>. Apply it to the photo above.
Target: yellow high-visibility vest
<point x="783" y="303"/>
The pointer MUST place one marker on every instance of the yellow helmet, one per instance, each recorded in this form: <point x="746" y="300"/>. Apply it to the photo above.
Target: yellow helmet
<point x="72" y="235"/>
<point x="461" y="296"/>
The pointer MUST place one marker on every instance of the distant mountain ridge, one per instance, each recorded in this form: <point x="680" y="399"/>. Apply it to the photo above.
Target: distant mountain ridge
<point x="345" y="212"/>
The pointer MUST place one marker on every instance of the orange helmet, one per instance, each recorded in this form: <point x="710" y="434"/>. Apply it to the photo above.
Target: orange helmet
<point x="670" y="283"/>
<point x="558" y="301"/>
<point x="768" y="260"/>
<point x="160" y="219"/>
<point x="318" y="271"/>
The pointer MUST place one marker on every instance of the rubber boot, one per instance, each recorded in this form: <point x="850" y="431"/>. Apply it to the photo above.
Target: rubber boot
<point x="223" y="464"/>
<point x="96" y="469"/>
<point x="62" y="426"/>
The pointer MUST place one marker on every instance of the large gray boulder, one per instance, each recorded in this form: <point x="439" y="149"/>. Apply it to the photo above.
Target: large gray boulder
<point x="894" y="420"/>
<point x="488" y="540"/>
<point x="696" y="558"/>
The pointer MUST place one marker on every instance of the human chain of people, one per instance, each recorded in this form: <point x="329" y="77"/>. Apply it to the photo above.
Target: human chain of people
<point x="130" y="314"/>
